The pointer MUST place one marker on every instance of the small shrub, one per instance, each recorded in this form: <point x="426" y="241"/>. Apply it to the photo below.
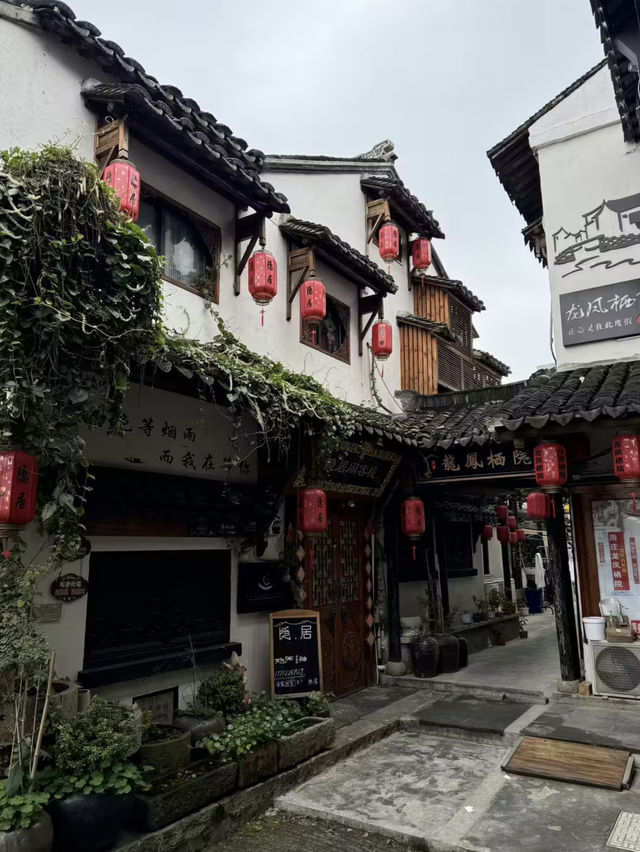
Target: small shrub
<point x="118" y="778"/>
<point x="21" y="811"/>
<point x="317" y="704"/>
<point x="256" y="727"/>
<point x="223" y="691"/>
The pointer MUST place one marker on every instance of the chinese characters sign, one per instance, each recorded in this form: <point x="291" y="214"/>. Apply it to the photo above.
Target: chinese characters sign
<point x="356" y="470"/>
<point x="295" y="653"/>
<point x="619" y="568"/>
<point x="261" y="587"/>
<point x="477" y="462"/>
<point x="600" y="313"/>
<point x="69" y="587"/>
<point x="169" y="433"/>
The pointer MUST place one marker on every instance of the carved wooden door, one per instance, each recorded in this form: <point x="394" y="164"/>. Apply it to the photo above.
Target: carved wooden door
<point x="336" y="584"/>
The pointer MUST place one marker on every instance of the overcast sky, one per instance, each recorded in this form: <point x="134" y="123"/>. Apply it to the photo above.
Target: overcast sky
<point x="443" y="79"/>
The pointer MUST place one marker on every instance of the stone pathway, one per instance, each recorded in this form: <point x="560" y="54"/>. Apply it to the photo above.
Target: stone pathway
<point x="280" y="832"/>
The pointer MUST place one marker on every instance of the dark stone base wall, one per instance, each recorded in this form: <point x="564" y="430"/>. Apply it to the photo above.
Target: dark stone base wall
<point x="484" y="634"/>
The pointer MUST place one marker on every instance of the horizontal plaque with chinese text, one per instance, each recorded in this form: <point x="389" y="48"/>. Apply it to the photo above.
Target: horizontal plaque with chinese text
<point x="601" y="313"/>
<point x="477" y="462"/>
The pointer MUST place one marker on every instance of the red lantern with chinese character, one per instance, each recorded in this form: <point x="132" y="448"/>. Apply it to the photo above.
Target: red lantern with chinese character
<point x="313" y="301"/>
<point x="513" y="536"/>
<point x="503" y="534"/>
<point x="550" y="466"/>
<point x="412" y="520"/>
<point x="389" y="241"/>
<point x="512" y="522"/>
<point x="539" y="506"/>
<point x="18" y="488"/>
<point x="125" y="180"/>
<point x="382" y="340"/>
<point x="626" y="458"/>
<point x="502" y="512"/>
<point x="312" y="511"/>
<point x="263" y="277"/>
<point x="421" y="253"/>
<point x="487" y="532"/>
<point x="522" y="536"/>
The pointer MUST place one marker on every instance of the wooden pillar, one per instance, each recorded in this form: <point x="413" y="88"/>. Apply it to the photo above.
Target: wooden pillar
<point x="506" y="570"/>
<point x="393" y="588"/>
<point x="560" y="579"/>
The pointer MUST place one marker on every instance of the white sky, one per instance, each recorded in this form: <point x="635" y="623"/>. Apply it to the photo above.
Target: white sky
<point x="443" y="79"/>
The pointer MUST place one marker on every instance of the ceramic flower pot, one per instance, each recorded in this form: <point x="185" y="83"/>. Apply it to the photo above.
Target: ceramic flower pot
<point x="200" y="726"/>
<point x="424" y="656"/>
<point x="449" y="656"/>
<point x="168" y="754"/>
<point x="91" y="823"/>
<point x="38" y="838"/>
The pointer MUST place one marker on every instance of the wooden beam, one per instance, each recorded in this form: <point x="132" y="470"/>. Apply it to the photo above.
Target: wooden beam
<point x="377" y="212"/>
<point x="111" y="142"/>
<point x="303" y="261"/>
<point x="367" y="306"/>
<point x="250" y="228"/>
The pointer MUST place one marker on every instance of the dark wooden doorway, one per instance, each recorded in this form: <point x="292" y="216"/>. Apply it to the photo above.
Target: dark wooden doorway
<point x="336" y="591"/>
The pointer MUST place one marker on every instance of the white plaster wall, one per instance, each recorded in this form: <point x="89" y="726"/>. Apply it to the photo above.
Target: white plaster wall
<point x="584" y="160"/>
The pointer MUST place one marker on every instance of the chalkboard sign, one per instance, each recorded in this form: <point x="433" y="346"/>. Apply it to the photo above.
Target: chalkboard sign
<point x="296" y="667"/>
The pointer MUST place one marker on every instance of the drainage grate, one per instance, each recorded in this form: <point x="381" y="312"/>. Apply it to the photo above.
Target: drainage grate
<point x="625" y="834"/>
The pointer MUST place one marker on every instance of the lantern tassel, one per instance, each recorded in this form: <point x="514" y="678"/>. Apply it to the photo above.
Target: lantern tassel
<point x="633" y="497"/>
<point x="414" y="552"/>
<point x="262" y="317"/>
<point x="313" y="336"/>
<point x="382" y="376"/>
<point x="311" y="561"/>
<point x="553" y="507"/>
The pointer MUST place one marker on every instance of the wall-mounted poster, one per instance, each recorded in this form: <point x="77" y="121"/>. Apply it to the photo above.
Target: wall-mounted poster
<point x="616" y="530"/>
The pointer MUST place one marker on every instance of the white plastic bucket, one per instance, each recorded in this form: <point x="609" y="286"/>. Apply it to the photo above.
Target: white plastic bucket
<point x="593" y="627"/>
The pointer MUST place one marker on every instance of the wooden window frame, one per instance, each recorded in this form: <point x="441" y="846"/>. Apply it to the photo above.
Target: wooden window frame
<point x="343" y="356"/>
<point x="210" y="233"/>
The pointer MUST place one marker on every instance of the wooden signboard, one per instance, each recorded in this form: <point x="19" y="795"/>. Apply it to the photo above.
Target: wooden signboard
<point x="69" y="588"/>
<point x="296" y="662"/>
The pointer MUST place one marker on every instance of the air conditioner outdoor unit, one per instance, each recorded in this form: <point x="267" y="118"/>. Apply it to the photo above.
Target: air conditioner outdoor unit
<point x="616" y="669"/>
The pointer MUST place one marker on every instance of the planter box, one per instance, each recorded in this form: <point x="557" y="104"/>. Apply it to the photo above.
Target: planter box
<point x="178" y="794"/>
<point x="167" y="755"/>
<point x="257" y="765"/>
<point x="200" y="727"/>
<point x="314" y="735"/>
<point x="38" y="838"/>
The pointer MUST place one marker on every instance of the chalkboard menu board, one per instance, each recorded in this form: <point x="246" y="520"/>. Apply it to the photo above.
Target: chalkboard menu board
<point x="296" y="668"/>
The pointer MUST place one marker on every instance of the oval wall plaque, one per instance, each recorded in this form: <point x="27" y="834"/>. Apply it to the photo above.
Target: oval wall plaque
<point x="69" y="587"/>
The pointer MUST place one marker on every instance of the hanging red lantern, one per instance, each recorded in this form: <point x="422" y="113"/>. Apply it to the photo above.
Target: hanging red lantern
<point x="125" y="180"/>
<point x="521" y="534"/>
<point x="382" y="340"/>
<point x="550" y="466"/>
<point x="263" y="278"/>
<point x="626" y="457"/>
<point x="539" y="506"/>
<point x="513" y="536"/>
<point x="389" y="241"/>
<point x="18" y="488"/>
<point x="487" y="532"/>
<point x="421" y="253"/>
<point x="412" y="520"/>
<point x="313" y="303"/>
<point x="312" y="511"/>
<point x="503" y="534"/>
<point x="502" y="512"/>
<point x="512" y="522"/>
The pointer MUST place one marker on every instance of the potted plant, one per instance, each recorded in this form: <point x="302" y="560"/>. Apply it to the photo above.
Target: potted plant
<point x="494" y="603"/>
<point x="523" y="607"/>
<point x="164" y="747"/>
<point x="509" y="607"/>
<point x="24" y="825"/>
<point x="523" y="623"/>
<point x="481" y="605"/>
<point x="318" y="704"/>
<point x="467" y="617"/>
<point x="91" y="781"/>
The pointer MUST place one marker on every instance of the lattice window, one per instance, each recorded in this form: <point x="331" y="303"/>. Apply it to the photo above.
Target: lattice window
<point x="449" y="368"/>
<point x="332" y="334"/>
<point x="324" y="592"/>
<point x="460" y="324"/>
<point x="472" y="376"/>
<point x="349" y="569"/>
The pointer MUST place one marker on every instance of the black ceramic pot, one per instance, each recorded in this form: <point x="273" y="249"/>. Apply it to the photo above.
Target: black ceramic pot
<point x="449" y="656"/>
<point x="91" y="823"/>
<point x="463" y="652"/>
<point x="424" y="655"/>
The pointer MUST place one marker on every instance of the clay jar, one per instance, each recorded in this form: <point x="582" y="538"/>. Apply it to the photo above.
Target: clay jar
<point x="424" y="655"/>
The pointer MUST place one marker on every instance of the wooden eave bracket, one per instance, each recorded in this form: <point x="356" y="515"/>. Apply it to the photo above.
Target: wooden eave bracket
<point x="111" y="141"/>
<point x="302" y="261"/>
<point x="369" y="307"/>
<point x="247" y="228"/>
<point x="377" y="212"/>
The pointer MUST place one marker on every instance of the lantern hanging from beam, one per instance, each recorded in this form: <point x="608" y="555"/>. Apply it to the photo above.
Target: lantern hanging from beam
<point x="539" y="506"/>
<point x="550" y="466"/>
<point x="313" y="304"/>
<point x="487" y="532"/>
<point x="421" y="253"/>
<point x="389" y="241"/>
<point x="522" y="536"/>
<point x="512" y="522"/>
<point x="412" y="520"/>
<point x="382" y="340"/>
<point x="124" y="178"/>
<point x="502" y="512"/>
<point x="513" y="536"/>
<point x="263" y="278"/>
<point x="503" y="534"/>
<point x="312" y="511"/>
<point x="626" y="458"/>
<point x="18" y="488"/>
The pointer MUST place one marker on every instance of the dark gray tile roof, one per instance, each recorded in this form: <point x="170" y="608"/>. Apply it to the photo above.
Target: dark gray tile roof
<point x="456" y="287"/>
<point x="491" y="361"/>
<point x="360" y="268"/>
<point x="439" y="328"/>
<point x="616" y="18"/>
<point x="514" y="161"/>
<point x="173" y="118"/>
<point x="414" y="213"/>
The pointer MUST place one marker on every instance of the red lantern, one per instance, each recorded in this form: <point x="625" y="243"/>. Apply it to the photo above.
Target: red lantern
<point x="513" y="536"/>
<point x="502" y="512"/>
<point x="312" y="511"/>
<point x="382" y="340"/>
<point x="125" y="179"/>
<point x="539" y="506"/>
<point x="503" y="534"/>
<point x="389" y="241"/>
<point x="487" y="532"/>
<point x="313" y="301"/>
<point x="626" y="457"/>
<point x="522" y="536"/>
<point x="512" y="522"/>
<point x="263" y="277"/>
<point x="550" y="466"/>
<point x="412" y="520"/>
<point x="18" y="488"/>
<point x="421" y="253"/>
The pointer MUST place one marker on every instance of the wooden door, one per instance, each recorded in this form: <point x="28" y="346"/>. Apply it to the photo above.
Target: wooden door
<point x="336" y="584"/>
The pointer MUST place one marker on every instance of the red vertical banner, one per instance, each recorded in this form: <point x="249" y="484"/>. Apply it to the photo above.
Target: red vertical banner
<point x="635" y="626"/>
<point x="618" y="562"/>
<point x="634" y="560"/>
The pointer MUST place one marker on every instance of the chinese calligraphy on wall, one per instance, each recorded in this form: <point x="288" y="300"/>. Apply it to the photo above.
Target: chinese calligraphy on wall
<point x="471" y="463"/>
<point x="600" y="313"/>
